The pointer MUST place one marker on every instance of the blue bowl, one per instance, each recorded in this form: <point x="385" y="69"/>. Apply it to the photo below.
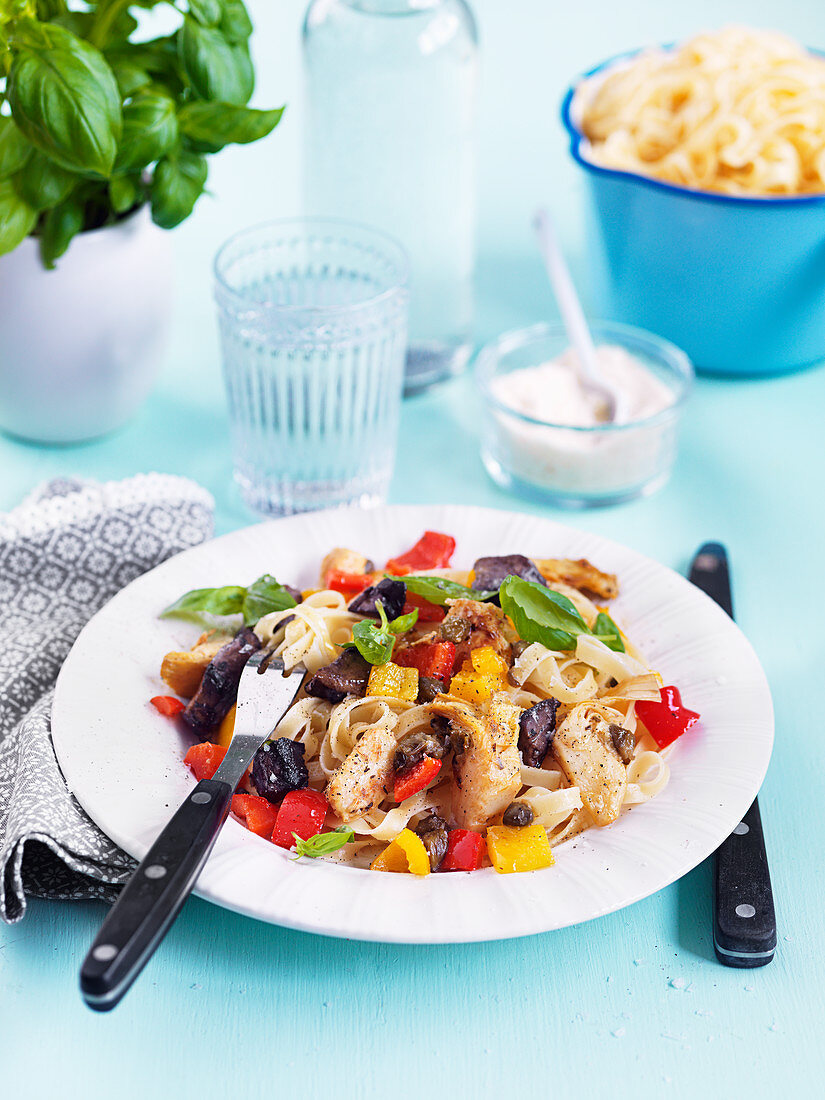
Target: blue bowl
<point x="738" y="283"/>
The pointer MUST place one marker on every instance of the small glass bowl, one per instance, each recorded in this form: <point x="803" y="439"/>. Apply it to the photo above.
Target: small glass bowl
<point x="572" y="466"/>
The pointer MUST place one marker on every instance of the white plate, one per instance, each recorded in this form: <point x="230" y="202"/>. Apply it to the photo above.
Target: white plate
<point x="124" y="762"/>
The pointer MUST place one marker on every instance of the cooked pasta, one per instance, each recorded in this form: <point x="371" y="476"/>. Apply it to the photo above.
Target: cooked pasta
<point x="432" y="719"/>
<point x="737" y="111"/>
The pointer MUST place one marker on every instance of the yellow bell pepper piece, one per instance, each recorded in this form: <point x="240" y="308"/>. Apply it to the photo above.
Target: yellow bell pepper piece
<point x="406" y="854"/>
<point x="227" y="728"/>
<point x="393" y="680"/>
<point x="481" y="676"/>
<point x="519" y="849"/>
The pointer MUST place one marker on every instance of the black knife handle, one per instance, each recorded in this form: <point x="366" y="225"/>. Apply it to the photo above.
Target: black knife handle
<point x="744" y="921"/>
<point x="153" y="897"/>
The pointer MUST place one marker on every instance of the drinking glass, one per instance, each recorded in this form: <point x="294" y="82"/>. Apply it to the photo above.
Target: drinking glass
<point x="313" y="322"/>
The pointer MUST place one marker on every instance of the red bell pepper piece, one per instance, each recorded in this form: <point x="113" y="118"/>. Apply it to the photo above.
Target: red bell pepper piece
<point x="432" y="551"/>
<point x="668" y="719"/>
<point x="167" y="705"/>
<point x="416" y="778"/>
<point x="433" y="659"/>
<point x="301" y="812"/>
<point x="258" y="814"/>
<point x="465" y="851"/>
<point x="349" y="584"/>
<point x="204" y="759"/>
<point x="427" y="612"/>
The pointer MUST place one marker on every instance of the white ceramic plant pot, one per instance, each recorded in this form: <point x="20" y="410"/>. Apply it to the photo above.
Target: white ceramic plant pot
<point x="80" y="346"/>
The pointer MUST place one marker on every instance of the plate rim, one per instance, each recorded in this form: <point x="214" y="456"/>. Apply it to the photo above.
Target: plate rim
<point x="343" y="929"/>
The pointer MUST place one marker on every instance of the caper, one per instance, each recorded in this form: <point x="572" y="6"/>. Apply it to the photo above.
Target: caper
<point x="415" y="746"/>
<point x="428" y="688"/>
<point x="518" y="648"/>
<point x="432" y="830"/>
<point x="624" y="742"/>
<point x="455" y="629"/>
<point x="517" y="815"/>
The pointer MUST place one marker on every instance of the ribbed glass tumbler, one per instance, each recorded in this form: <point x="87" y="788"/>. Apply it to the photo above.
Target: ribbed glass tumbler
<point x="313" y="322"/>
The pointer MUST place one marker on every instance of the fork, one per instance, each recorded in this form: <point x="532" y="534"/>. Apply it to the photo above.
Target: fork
<point x="154" y="895"/>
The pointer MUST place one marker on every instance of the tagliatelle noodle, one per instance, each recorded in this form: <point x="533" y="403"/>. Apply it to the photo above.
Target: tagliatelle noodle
<point x="737" y="111"/>
<point x="312" y="632"/>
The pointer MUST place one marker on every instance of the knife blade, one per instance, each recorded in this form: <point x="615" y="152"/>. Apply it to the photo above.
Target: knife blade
<point x="744" y="919"/>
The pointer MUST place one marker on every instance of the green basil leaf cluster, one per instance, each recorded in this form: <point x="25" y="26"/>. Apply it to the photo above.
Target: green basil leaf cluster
<point x="438" y="590"/>
<point x="101" y="124"/>
<point x="323" y="844"/>
<point x="375" y="641"/>
<point x="201" y="605"/>
<point x="541" y="615"/>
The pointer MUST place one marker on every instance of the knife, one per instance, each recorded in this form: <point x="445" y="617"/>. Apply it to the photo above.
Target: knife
<point x="744" y="921"/>
<point x="155" y="893"/>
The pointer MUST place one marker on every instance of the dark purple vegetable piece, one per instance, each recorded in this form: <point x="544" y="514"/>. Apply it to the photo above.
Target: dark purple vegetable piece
<point x="218" y="688"/>
<point x="432" y="830"/>
<point x="277" y="767"/>
<point x="536" y="729"/>
<point x="392" y="594"/>
<point x="347" y="675"/>
<point x="490" y="573"/>
<point x="295" y="593"/>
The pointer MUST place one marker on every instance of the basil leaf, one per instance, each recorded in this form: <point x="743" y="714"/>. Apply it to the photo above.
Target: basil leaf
<point x="64" y="98"/>
<point x="323" y="844"/>
<point x="14" y="149"/>
<point x="59" y="226"/>
<point x="404" y="622"/>
<point x="124" y="193"/>
<point x="129" y="76"/>
<point x="605" y="629"/>
<point x="375" y="643"/>
<point x="541" y="615"/>
<point x="207" y="12"/>
<point x="17" y="218"/>
<point x="212" y="601"/>
<point x="264" y="596"/>
<point x="218" y="70"/>
<point x="177" y="184"/>
<point x="236" y="26"/>
<point x="218" y="124"/>
<point x="43" y="184"/>
<point x="150" y="130"/>
<point x="440" y="589"/>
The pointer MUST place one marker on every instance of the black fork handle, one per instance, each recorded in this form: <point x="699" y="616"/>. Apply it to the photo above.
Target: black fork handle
<point x="153" y="896"/>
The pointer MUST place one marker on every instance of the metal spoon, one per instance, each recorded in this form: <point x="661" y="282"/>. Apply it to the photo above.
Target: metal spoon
<point x="572" y="314"/>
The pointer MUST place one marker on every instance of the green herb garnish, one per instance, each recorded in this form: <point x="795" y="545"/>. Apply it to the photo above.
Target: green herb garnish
<point x="262" y="597"/>
<point x="438" y="590"/>
<point x="606" y="631"/>
<point x="541" y="615"/>
<point x="323" y="844"/>
<point x="375" y="641"/>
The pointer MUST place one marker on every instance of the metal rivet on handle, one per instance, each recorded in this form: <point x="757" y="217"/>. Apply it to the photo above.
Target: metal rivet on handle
<point x="201" y="797"/>
<point x="155" y="870"/>
<point x="741" y="829"/>
<point x="105" y="952"/>
<point x="745" y="911"/>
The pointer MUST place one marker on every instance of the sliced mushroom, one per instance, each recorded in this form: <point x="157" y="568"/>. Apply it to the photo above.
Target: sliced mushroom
<point x="218" y="688"/>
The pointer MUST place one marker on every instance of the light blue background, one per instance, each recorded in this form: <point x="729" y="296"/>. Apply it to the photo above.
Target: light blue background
<point x="599" y="1010"/>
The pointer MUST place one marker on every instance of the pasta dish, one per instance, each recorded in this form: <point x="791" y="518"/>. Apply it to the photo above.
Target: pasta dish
<point x="737" y="111"/>
<point x="449" y="719"/>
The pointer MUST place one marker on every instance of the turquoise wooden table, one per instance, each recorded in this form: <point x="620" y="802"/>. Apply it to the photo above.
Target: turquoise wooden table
<point x="631" y="1004"/>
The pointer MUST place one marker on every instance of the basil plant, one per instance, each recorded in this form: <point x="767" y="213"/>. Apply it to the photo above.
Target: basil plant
<point x="96" y="119"/>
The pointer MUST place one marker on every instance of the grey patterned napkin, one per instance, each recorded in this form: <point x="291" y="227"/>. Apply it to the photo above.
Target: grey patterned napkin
<point x="63" y="553"/>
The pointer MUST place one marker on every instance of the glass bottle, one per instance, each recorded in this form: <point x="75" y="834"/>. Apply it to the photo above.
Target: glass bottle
<point x="389" y="141"/>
